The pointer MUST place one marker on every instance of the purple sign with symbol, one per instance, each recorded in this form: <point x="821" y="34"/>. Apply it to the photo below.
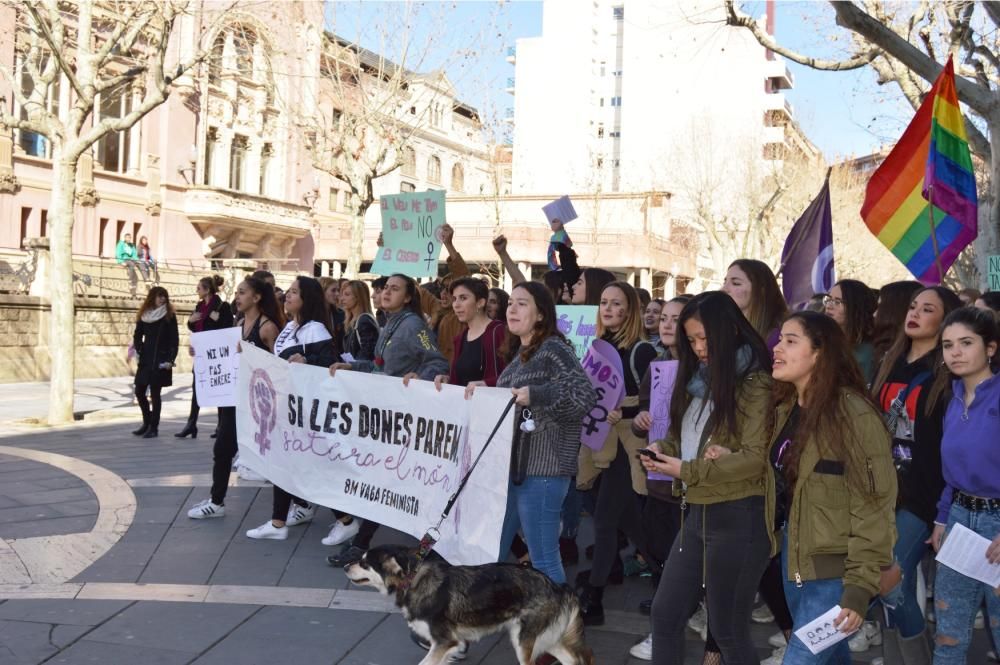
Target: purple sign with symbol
<point x="663" y="374"/>
<point x="263" y="400"/>
<point x="603" y="366"/>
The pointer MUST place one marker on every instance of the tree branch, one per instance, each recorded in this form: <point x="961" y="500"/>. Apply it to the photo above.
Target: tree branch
<point x="55" y="44"/>
<point x="739" y="19"/>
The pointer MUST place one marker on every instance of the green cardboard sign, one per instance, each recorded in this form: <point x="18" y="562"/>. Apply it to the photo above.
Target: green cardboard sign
<point x="411" y="234"/>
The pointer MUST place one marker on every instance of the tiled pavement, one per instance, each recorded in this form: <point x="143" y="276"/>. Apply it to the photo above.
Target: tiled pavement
<point x="173" y="590"/>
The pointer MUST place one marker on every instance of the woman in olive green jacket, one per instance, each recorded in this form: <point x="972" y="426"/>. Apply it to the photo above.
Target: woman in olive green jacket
<point x="831" y="485"/>
<point x="720" y="402"/>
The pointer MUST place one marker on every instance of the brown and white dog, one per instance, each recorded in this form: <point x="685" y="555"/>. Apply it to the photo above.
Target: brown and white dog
<point x="451" y="605"/>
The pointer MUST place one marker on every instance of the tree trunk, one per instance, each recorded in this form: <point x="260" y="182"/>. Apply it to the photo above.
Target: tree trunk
<point x="62" y="334"/>
<point x="354" y="257"/>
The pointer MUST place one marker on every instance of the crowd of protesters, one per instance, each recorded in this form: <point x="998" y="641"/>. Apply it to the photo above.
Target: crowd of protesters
<point x="814" y="458"/>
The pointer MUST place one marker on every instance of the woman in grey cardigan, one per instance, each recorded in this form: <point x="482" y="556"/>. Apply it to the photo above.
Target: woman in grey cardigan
<point x="553" y="395"/>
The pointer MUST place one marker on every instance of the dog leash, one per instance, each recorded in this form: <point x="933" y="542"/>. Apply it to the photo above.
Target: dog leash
<point x="433" y="534"/>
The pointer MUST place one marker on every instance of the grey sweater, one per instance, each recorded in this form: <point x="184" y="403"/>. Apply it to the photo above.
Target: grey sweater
<point x="405" y="345"/>
<point x="560" y="396"/>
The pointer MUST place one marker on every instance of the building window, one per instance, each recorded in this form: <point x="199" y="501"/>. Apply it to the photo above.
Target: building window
<point x="407" y="187"/>
<point x="211" y="144"/>
<point x="336" y="118"/>
<point x="266" y="158"/>
<point x="616" y="135"/>
<point x="215" y="59"/>
<point x="602" y="102"/>
<point x="237" y="163"/>
<point x="409" y="165"/>
<point x="434" y="170"/>
<point x="616" y="101"/>
<point x="600" y="131"/>
<point x="457" y="178"/>
<point x="114" y="147"/>
<point x="334" y="203"/>
<point x="619" y="13"/>
<point x="32" y="143"/>
<point x="243" y="43"/>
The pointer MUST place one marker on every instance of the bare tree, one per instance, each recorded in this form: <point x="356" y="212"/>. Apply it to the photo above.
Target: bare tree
<point x="98" y="49"/>
<point x="905" y="44"/>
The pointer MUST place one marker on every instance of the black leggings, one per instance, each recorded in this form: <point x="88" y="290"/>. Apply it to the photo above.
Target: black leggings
<point x="618" y="507"/>
<point x="281" y="501"/>
<point x="727" y="546"/>
<point x="661" y="521"/>
<point x="223" y="453"/>
<point x="365" y="534"/>
<point x="150" y="407"/>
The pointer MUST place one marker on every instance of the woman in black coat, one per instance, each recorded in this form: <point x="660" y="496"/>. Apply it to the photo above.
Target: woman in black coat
<point x="155" y="341"/>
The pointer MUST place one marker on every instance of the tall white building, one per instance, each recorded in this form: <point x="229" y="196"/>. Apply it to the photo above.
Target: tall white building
<point x="626" y="96"/>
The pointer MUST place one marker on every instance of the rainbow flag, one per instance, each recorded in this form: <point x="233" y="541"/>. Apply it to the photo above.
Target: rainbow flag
<point x="927" y="175"/>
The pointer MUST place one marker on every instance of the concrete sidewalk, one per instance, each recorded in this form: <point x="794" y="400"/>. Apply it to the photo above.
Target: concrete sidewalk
<point x="93" y="520"/>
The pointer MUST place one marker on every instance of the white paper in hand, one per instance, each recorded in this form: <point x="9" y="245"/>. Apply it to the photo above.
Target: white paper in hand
<point x="964" y="551"/>
<point x="820" y="633"/>
<point x="347" y="357"/>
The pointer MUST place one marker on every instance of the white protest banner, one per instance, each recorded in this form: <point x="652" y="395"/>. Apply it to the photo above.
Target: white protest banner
<point x="411" y="234"/>
<point x="561" y="209"/>
<point x="216" y="366"/>
<point x="372" y="447"/>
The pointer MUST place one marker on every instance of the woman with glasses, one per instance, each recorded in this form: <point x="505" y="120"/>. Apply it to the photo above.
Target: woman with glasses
<point x="852" y="305"/>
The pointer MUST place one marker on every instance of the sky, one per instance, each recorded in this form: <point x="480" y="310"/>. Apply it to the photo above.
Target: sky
<point x="843" y="113"/>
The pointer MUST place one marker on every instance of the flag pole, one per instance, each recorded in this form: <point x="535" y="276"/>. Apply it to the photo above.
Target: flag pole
<point x="934" y="242"/>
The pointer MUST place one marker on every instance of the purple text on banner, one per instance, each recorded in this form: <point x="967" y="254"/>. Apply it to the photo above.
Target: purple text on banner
<point x="663" y="374"/>
<point x="603" y="366"/>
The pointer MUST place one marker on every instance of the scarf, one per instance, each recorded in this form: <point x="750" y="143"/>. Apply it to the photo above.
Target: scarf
<point x="155" y="314"/>
<point x="698" y="384"/>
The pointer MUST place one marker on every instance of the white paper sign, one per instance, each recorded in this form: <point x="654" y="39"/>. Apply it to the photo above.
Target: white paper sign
<point x="372" y="447"/>
<point x="561" y="209"/>
<point x="216" y="366"/>
<point x="964" y="551"/>
<point x="820" y="634"/>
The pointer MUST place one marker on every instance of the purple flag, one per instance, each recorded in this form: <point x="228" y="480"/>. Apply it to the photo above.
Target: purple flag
<point x="807" y="258"/>
<point x="664" y="376"/>
<point x="603" y="366"/>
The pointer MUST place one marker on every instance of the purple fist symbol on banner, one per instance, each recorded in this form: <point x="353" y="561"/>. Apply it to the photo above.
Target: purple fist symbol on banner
<point x="263" y="400"/>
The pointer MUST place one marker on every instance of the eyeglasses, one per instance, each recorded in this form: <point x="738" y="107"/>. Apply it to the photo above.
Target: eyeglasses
<point x="830" y="300"/>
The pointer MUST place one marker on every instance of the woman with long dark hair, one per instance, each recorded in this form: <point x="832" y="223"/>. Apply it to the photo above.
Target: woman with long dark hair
<point x="553" y="394"/>
<point x="307" y="339"/>
<point x="893" y="304"/>
<point x="613" y="473"/>
<point x="496" y="305"/>
<point x="971" y="467"/>
<point x="211" y="313"/>
<point x="260" y="321"/>
<point x="155" y="341"/>
<point x="912" y="390"/>
<point x="406" y="348"/>
<point x="852" y="305"/>
<point x="754" y="288"/>
<point x="144" y="255"/>
<point x="830" y="482"/>
<point x="588" y="288"/>
<point x="476" y="355"/>
<point x="719" y="402"/>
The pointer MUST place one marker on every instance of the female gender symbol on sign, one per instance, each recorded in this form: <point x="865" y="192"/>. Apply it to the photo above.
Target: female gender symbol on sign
<point x="430" y="254"/>
<point x="262" y="402"/>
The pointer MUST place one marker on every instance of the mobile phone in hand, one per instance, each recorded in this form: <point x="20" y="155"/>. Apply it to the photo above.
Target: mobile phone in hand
<point x="649" y="453"/>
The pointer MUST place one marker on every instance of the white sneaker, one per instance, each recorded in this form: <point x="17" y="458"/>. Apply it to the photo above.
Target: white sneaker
<point x="777" y="640"/>
<point x="206" y="509"/>
<point x="992" y="655"/>
<point x="299" y="515"/>
<point x="762" y="614"/>
<point x="869" y="636"/>
<point x="341" y="533"/>
<point x="980" y="622"/>
<point x="643" y="650"/>
<point x="699" y="620"/>
<point x="268" y="531"/>
<point x="775" y="658"/>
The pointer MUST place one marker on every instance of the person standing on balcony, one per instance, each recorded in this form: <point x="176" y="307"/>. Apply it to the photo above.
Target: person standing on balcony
<point x="211" y="313"/>
<point x="155" y="340"/>
<point x="146" y="261"/>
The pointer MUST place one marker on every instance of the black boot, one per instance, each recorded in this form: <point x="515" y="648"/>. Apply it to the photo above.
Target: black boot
<point x="191" y="429"/>
<point x="144" y="407"/>
<point x="154" y="425"/>
<point x="592" y="605"/>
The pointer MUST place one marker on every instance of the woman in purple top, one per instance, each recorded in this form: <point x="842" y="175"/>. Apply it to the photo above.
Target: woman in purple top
<point x="754" y="288"/>
<point x="971" y="466"/>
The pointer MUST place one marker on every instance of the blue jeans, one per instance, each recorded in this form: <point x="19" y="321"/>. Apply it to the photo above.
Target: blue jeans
<point x="535" y="507"/>
<point x="957" y="598"/>
<point x="901" y="603"/>
<point x="807" y="602"/>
